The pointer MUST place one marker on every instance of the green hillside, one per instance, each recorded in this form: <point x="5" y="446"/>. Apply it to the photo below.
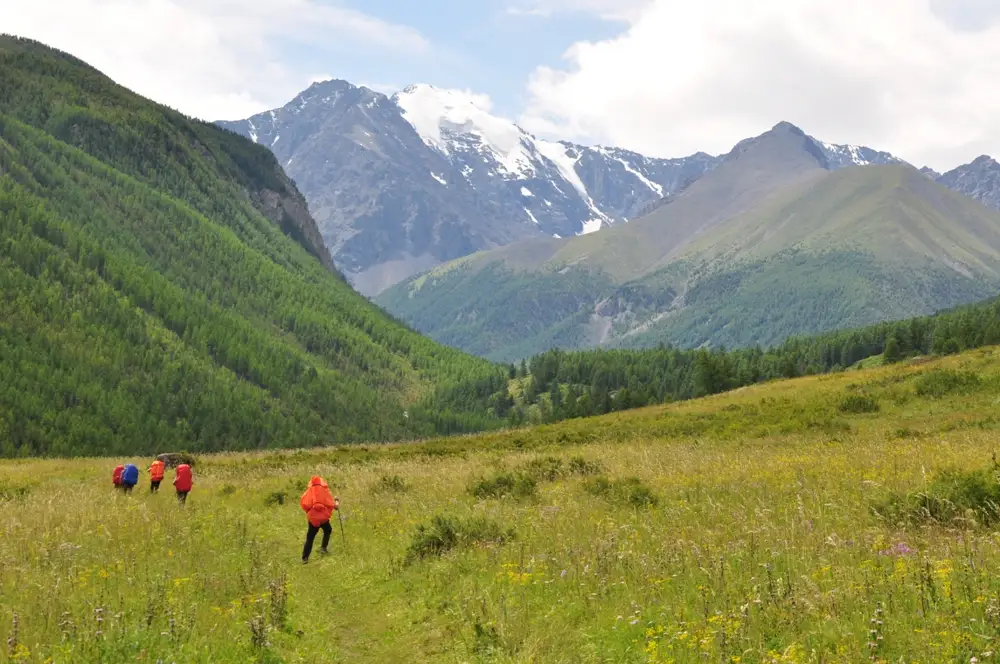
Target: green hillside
<point x="162" y="286"/>
<point x="765" y="247"/>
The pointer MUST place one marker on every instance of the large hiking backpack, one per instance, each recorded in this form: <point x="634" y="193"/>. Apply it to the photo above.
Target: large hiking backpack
<point x="183" y="480"/>
<point x="130" y="475"/>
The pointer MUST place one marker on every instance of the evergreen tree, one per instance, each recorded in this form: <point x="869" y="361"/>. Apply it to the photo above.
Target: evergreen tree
<point x="892" y="354"/>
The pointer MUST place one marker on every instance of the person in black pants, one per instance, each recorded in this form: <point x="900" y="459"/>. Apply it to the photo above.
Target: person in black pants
<point x="311" y="537"/>
<point x="319" y="505"/>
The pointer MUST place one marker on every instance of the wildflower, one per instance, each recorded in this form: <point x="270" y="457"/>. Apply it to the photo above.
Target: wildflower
<point x="898" y="549"/>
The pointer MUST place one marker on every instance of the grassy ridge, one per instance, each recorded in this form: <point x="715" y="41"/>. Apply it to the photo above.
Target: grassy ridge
<point x="748" y="534"/>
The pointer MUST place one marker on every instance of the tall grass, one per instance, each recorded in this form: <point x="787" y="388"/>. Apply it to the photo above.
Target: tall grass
<point x="761" y="541"/>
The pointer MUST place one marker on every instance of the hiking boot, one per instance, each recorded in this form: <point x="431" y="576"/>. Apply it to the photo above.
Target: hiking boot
<point x="305" y="561"/>
<point x="324" y="551"/>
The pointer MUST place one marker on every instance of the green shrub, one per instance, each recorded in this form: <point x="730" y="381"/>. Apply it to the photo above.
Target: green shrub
<point x="545" y="469"/>
<point x="858" y="403"/>
<point x="550" y="469"/>
<point x="276" y="498"/>
<point x="942" y="382"/>
<point x="13" y="492"/>
<point x="630" y="491"/>
<point x="391" y="484"/>
<point x="515" y="485"/>
<point x="445" y="533"/>
<point x="580" y="466"/>
<point x="970" y="497"/>
<point x="174" y="459"/>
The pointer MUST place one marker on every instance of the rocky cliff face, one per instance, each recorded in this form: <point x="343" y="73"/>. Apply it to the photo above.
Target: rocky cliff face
<point x="979" y="179"/>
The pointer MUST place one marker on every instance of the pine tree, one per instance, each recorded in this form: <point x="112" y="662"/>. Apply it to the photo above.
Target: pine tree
<point x="892" y="354"/>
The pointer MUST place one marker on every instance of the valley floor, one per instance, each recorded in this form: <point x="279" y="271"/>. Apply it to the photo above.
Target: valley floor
<point x="749" y="535"/>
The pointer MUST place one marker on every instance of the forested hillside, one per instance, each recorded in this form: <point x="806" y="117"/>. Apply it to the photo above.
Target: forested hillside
<point x="162" y="286"/>
<point x="557" y="385"/>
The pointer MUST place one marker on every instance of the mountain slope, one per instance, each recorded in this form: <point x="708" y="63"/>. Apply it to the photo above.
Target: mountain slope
<point x="777" y="240"/>
<point x="163" y="287"/>
<point x="402" y="184"/>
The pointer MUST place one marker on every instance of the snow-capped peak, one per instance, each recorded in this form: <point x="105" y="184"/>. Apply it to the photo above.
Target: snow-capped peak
<point x="854" y="155"/>
<point x="482" y="146"/>
<point x="439" y="116"/>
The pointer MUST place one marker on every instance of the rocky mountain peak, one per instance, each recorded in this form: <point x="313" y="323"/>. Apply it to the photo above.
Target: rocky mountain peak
<point x="979" y="179"/>
<point x="785" y="126"/>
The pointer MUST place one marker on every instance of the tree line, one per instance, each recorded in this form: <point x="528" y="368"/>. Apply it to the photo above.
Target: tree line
<point x="567" y="384"/>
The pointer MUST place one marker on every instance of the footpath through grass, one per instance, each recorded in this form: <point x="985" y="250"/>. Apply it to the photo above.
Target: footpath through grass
<point x="747" y="527"/>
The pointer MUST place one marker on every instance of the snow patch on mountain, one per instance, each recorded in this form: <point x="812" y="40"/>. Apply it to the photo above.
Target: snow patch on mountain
<point x="531" y="216"/>
<point x="851" y="152"/>
<point x="459" y="125"/>
<point x="642" y="178"/>
<point x="559" y="155"/>
<point x="439" y="178"/>
<point x="438" y="115"/>
<point x="591" y="226"/>
<point x="841" y="156"/>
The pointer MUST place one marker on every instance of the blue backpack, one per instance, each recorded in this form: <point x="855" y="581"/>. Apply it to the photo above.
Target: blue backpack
<point x="130" y="475"/>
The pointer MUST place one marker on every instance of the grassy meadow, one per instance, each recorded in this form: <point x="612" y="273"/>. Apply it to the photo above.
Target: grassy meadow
<point x="779" y="523"/>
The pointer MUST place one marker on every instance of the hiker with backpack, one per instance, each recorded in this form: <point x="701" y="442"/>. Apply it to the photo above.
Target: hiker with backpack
<point x="156" y="475"/>
<point x="318" y="504"/>
<point x="116" y="476"/>
<point x="183" y="481"/>
<point x="130" y="477"/>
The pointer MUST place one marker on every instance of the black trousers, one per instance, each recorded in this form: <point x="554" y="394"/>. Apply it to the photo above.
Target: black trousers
<point x="154" y="485"/>
<point x="182" y="497"/>
<point x="127" y="488"/>
<point x="311" y="537"/>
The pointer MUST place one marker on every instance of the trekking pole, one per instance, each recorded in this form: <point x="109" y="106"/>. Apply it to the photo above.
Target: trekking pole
<point x="340" y="517"/>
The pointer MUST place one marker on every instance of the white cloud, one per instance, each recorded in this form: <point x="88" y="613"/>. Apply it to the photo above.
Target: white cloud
<point x="899" y="75"/>
<point x="612" y="10"/>
<point x="216" y="59"/>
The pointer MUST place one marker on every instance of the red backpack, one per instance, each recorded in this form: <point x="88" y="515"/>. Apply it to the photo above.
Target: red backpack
<point x="183" y="481"/>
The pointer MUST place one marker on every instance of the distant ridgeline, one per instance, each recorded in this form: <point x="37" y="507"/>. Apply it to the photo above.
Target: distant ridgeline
<point x="582" y="383"/>
<point x="163" y="287"/>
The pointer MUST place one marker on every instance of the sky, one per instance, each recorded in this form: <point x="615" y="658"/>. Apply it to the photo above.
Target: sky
<point x="920" y="78"/>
